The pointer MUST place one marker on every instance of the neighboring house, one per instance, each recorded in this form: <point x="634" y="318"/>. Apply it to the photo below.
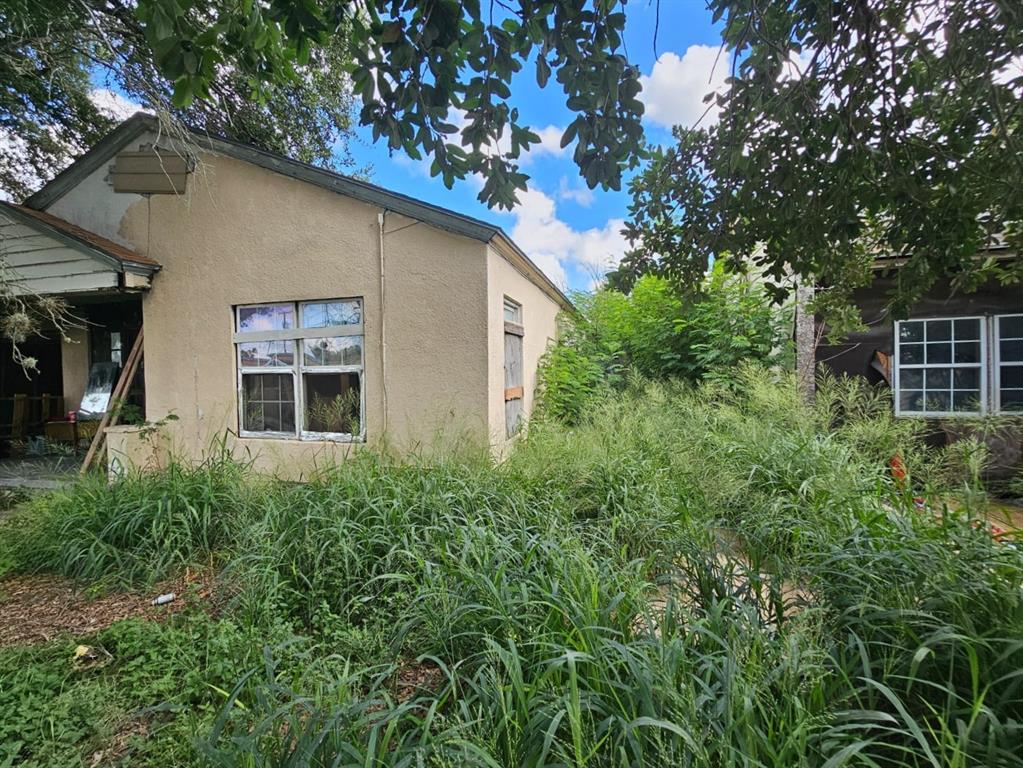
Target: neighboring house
<point x="297" y="310"/>
<point x="957" y="354"/>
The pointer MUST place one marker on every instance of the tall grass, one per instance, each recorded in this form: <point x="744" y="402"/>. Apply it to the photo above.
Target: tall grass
<point x="694" y="576"/>
<point x="137" y="530"/>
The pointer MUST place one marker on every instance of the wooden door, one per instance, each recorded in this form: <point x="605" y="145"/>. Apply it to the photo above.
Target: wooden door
<point x="513" y="392"/>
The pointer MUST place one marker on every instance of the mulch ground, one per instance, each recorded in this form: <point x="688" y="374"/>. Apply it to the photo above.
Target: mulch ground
<point x="37" y="608"/>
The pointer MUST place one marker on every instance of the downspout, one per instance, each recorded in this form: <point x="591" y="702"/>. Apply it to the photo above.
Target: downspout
<point x="381" y="218"/>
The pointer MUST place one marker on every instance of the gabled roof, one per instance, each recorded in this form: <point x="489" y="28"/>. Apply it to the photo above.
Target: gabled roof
<point x="81" y="240"/>
<point x="428" y="213"/>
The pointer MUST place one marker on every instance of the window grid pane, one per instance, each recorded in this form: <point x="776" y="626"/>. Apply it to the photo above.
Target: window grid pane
<point x="940" y="366"/>
<point x="335" y="351"/>
<point x="267" y="354"/>
<point x="326" y="403"/>
<point x="1010" y="363"/>
<point x="268" y="402"/>
<point x="322" y="314"/>
<point x="266" y="317"/>
<point x="512" y="312"/>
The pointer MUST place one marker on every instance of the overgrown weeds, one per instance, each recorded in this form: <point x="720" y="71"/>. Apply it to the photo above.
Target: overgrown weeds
<point x="705" y="576"/>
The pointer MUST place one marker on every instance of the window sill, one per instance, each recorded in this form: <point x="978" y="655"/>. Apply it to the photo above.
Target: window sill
<point x="940" y="415"/>
<point x="960" y="415"/>
<point x="289" y="437"/>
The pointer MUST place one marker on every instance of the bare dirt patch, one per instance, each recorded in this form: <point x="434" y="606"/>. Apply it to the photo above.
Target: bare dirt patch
<point x="413" y="678"/>
<point x="37" y="608"/>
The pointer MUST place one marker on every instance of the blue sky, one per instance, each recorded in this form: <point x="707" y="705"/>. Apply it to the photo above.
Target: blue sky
<point x="569" y="230"/>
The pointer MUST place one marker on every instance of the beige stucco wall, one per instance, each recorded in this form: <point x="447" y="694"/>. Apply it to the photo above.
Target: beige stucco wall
<point x="539" y="320"/>
<point x="92" y="204"/>
<point x="245" y="235"/>
<point x="132" y="448"/>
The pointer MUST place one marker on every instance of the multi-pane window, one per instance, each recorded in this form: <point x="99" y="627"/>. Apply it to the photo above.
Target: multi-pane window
<point x="300" y="369"/>
<point x="959" y="366"/>
<point x="1009" y="363"/>
<point x="940" y="366"/>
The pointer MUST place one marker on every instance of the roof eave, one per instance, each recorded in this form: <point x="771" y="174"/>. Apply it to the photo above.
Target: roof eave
<point x="86" y="248"/>
<point x="537" y="275"/>
<point x="93" y="159"/>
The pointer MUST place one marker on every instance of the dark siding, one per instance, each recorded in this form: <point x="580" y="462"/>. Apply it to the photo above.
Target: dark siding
<point x="854" y="355"/>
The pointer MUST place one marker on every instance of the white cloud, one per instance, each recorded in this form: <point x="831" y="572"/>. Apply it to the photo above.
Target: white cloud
<point x="580" y="194"/>
<point x="552" y="243"/>
<point x="550" y="141"/>
<point x="674" y="90"/>
<point x="113" y="104"/>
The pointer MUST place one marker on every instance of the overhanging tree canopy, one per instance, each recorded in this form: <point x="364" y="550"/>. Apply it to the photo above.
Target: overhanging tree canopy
<point x="53" y="53"/>
<point x="849" y="130"/>
<point x="279" y="74"/>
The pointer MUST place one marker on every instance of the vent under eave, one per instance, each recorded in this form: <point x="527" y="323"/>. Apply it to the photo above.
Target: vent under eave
<point x="150" y="172"/>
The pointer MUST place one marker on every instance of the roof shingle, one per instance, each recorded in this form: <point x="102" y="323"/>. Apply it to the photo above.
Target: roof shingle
<point x="84" y="236"/>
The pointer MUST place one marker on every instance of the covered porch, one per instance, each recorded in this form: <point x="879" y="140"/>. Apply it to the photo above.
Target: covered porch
<point x="49" y="415"/>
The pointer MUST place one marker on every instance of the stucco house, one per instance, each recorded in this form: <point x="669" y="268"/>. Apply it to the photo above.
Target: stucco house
<point x="299" y="312"/>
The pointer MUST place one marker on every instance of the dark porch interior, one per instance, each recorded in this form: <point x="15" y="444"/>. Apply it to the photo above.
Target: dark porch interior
<point x="35" y="410"/>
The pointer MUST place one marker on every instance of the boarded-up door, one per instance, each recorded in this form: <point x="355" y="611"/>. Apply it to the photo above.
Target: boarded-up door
<point x="513" y="392"/>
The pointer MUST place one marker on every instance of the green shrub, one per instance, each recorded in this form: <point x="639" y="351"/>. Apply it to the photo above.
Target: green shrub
<point x="661" y="334"/>
<point x="567" y="382"/>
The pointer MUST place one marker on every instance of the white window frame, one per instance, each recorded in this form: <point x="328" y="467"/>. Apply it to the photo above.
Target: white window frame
<point x="510" y="305"/>
<point x="297" y="335"/>
<point x="997" y="364"/>
<point x="983" y="365"/>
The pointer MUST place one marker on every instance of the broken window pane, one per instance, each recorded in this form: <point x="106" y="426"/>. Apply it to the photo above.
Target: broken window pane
<point x="266" y="317"/>
<point x="322" y="314"/>
<point x="337" y="350"/>
<point x="267" y="354"/>
<point x="333" y="403"/>
<point x="268" y="402"/>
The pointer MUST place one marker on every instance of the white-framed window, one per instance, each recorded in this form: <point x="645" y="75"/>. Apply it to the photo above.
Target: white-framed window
<point x="512" y="311"/>
<point x="300" y="370"/>
<point x="941" y="366"/>
<point x="1009" y="363"/>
